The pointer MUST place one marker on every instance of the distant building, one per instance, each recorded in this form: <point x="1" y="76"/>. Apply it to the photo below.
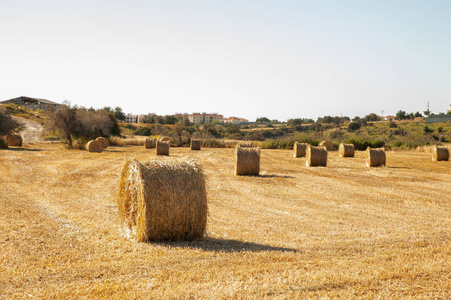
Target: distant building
<point x="234" y="120"/>
<point x="198" y="118"/>
<point x="33" y="103"/>
<point x="438" y="118"/>
<point x="129" y="118"/>
<point x="388" y="118"/>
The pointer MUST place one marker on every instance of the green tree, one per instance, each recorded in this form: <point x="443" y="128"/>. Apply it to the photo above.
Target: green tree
<point x="263" y="120"/>
<point x="119" y="113"/>
<point x="401" y="115"/>
<point x="64" y="120"/>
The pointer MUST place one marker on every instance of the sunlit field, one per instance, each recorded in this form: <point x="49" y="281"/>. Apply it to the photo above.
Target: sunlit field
<point x="344" y="230"/>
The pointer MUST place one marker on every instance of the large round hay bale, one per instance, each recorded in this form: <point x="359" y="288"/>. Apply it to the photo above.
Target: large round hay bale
<point x="195" y="144"/>
<point x="346" y="150"/>
<point x="247" y="160"/>
<point x="440" y="153"/>
<point x="316" y="156"/>
<point x="14" y="139"/>
<point x="162" y="148"/>
<point x="165" y="139"/>
<point x="163" y="200"/>
<point x="327" y="145"/>
<point x="94" y="146"/>
<point x="150" y="143"/>
<point x="299" y="149"/>
<point x="375" y="157"/>
<point x="104" y="141"/>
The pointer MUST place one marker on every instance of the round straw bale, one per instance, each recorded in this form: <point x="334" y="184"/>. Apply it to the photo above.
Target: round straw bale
<point x="316" y="157"/>
<point x="165" y="139"/>
<point x="375" y="157"/>
<point x="440" y="153"/>
<point x="327" y="145"/>
<point x="104" y="141"/>
<point x="150" y="143"/>
<point x="162" y="200"/>
<point x="299" y="149"/>
<point x="195" y="144"/>
<point x="346" y="150"/>
<point x="14" y="139"/>
<point x="247" y="160"/>
<point x="162" y="148"/>
<point x="94" y="146"/>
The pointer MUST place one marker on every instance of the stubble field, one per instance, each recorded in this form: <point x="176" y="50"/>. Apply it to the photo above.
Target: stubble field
<point x="294" y="232"/>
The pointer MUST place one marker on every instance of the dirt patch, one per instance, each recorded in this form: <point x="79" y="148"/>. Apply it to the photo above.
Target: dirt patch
<point x="33" y="131"/>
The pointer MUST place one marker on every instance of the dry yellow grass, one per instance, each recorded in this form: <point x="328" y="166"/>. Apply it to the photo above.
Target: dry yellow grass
<point x="345" y="231"/>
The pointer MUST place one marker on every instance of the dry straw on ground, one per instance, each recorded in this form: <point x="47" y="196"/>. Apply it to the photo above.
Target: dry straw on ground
<point x="94" y="146"/>
<point x="299" y="149"/>
<point x="440" y="153"/>
<point x="247" y="160"/>
<point x="14" y="139"/>
<point x="375" y="157"/>
<point x="327" y="145"/>
<point x="316" y="157"/>
<point x="162" y="148"/>
<point x="162" y="200"/>
<point x="195" y="144"/>
<point x="104" y="142"/>
<point x="150" y="143"/>
<point x="346" y="150"/>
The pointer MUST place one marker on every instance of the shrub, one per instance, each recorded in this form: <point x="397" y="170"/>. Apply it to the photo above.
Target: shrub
<point x="353" y="126"/>
<point x="426" y="129"/>
<point x="315" y="143"/>
<point x="3" y="144"/>
<point x="145" y="131"/>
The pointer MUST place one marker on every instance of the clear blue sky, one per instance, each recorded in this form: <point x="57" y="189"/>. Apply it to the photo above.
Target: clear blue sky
<point x="279" y="59"/>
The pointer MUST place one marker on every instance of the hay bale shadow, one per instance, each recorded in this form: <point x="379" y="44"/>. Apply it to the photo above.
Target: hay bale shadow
<point x="276" y="176"/>
<point x="223" y="245"/>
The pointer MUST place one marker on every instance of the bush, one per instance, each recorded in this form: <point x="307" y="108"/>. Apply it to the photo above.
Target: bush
<point x="145" y="131"/>
<point x="362" y="145"/>
<point x="353" y="126"/>
<point x="3" y="144"/>
<point x="315" y="143"/>
<point x="426" y="129"/>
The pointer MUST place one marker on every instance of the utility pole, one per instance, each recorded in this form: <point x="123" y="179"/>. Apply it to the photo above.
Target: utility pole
<point x="382" y="113"/>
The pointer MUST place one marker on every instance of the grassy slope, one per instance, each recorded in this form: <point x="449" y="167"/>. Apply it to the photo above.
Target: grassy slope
<point x="341" y="231"/>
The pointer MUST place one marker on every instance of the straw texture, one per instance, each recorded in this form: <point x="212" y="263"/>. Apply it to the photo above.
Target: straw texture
<point x="299" y="149"/>
<point x="161" y="200"/>
<point x="316" y="157"/>
<point x="14" y="139"/>
<point x="104" y="142"/>
<point x="150" y="143"/>
<point x="94" y="146"/>
<point x="346" y="150"/>
<point x="440" y="154"/>
<point x="162" y="148"/>
<point x="375" y="157"/>
<point x="326" y="144"/>
<point x="247" y="160"/>
<point x="195" y="144"/>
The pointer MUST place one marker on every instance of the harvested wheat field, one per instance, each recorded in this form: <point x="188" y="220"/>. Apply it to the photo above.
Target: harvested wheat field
<point x="344" y="230"/>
